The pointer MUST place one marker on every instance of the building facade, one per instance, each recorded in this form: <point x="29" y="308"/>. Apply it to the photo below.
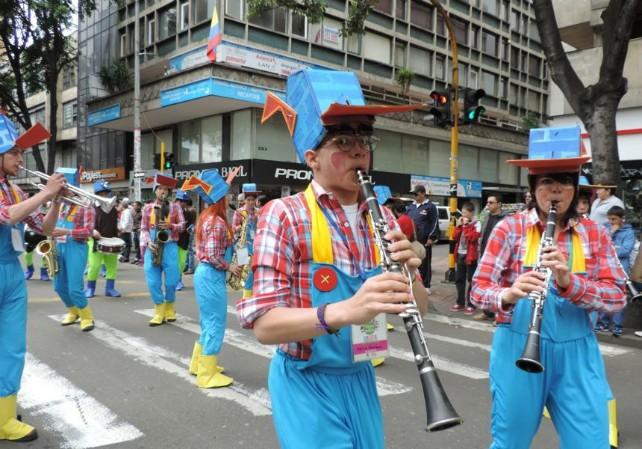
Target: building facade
<point x="208" y="114"/>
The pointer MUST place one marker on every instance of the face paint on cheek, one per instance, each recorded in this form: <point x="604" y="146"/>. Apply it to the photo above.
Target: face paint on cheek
<point x="338" y="160"/>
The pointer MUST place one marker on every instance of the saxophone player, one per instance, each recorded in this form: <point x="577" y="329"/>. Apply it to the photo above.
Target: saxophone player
<point x="245" y="219"/>
<point x="74" y="226"/>
<point x="584" y="277"/>
<point x="161" y="223"/>
<point x="15" y="210"/>
<point x="316" y="272"/>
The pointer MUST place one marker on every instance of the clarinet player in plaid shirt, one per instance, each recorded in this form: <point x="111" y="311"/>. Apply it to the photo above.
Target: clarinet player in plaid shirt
<point x="316" y="273"/>
<point x="584" y="277"/>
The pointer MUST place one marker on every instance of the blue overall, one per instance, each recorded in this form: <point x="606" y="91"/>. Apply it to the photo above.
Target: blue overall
<point x="13" y="314"/>
<point x="72" y="260"/>
<point x="154" y="273"/>
<point x="251" y="232"/>
<point x="573" y="385"/>
<point x="211" y="297"/>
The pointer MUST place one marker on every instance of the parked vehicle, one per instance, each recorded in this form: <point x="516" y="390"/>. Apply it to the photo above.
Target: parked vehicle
<point x="444" y="221"/>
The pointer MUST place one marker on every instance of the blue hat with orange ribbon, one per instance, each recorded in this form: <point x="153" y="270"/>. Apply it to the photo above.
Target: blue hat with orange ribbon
<point x="210" y="185"/>
<point x="10" y="138"/>
<point x="317" y="98"/>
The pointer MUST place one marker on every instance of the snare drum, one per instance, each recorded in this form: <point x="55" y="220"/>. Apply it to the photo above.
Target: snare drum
<point x="110" y="245"/>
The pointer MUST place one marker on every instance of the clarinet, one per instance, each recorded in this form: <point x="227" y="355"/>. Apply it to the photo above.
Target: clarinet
<point x="440" y="413"/>
<point x="530" y="360"/>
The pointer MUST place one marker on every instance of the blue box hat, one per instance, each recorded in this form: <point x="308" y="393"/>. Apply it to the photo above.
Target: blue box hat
<point x="8" y="134"/>
<point x="250" y="187"/>
<point x="71" y="175"/>
<point x="10" y="138"/>
<point x="182" y="195"/>
<point x="101" y="186"/>
<point x="383" y="194"/>
<point x="210" y="186"/>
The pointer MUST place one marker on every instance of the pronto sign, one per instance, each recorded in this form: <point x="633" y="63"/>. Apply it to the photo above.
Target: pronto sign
<point x="105" y="174"/>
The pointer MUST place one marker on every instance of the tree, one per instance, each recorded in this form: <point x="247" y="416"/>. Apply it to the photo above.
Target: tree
<point x="596" y="105"/>
<point x="37" y="40"/>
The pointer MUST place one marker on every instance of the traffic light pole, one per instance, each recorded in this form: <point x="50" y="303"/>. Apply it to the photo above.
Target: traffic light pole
<point x="137" y="143"/>
<point x="454" y="141"/>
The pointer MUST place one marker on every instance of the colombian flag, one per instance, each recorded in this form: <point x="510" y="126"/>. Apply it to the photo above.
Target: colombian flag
<point x="214" y="38"/>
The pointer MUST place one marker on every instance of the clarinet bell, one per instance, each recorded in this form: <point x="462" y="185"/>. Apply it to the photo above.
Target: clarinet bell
<point x="441" y="414"/>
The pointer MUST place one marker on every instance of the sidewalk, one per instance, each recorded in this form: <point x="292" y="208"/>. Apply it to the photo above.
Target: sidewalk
<point x="444" y="295"/>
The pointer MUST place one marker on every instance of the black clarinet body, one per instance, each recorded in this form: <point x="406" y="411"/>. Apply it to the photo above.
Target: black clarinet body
<point x="440" y="413"/>
<point x="530" y="360"/>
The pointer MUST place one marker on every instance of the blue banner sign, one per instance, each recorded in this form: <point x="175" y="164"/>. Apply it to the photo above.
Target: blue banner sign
<point x="212" y="87"/>
<point x="439" y="186"/>
<point x="103" y="115"/>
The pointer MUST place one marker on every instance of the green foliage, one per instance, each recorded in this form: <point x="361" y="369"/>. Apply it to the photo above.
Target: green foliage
<point x="358" y="11"/>
<point x="530" y="121"/>
<point x="404" y="77"/>
<point x="312" y="9"/>
<point x="115" y="76"/>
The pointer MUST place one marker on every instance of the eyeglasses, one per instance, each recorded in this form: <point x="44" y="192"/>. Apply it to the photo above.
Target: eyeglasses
<point x="346" y="142"/>
<point x="491" y="202"/>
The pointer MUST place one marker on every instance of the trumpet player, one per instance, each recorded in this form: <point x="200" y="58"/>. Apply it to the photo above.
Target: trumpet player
<point x="15" y="210"/>
<point x="161" y="223"/>
<point x="247" y="214"/>
<point x="581" y="266"/>
<point x="74" y="226"/>
<point x="214" y="253"/>
<point x="316" y="273"/>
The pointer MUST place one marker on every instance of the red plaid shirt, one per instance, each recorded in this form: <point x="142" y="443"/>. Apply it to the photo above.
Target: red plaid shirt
<point x="282" y="257"/>
<point x="601" y="289"/>
<point x="8" y="193"/>
<point x="83" y="218"/>
<point x="239" y="215"/>
<point x="175" y="218"/>
<point x="217" y="238"/>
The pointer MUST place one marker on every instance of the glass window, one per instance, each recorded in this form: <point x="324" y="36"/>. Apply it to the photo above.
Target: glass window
<point x="273" y="141"/>
<point x="514" y="57"/>
<point x="489" y="83"/>
<point x="331" y="34"/>
<point x="473" y="78"/>
<point x="400" y="53"/>
<point x="299" y="25"/>
<point x="414" y="154"/>
<point x="400" y="9"/>
<point x="147" y="151"/>
<point x="488" y="165"/>
<point x="184" y="19"/>
<point x="468" y="159"/>
<point x="212" y="139"/>
<point x="202" y="10"/>
<point x="69" y="114"/>
<point x="241" y="139"/>
<point x="514" y="20"/>
<point x="489" y="43"/>
<point x="165" y="138"/>
<point x="419" y="61"/>
<point x="512" y="93"/>
<point x="151" y="31"/>
<point x="387" y="154"/>
<point x="377" y="47"/>
<point x="167" y="18"/>
<point x="273" y="19"/>
<point x="353" y="43"/>
<point x="123" y="44"/>
<point x="384" y="6"/>
<point x="69" y="76"/>
<point x="534" y="65"/>
<point x="461" y="30"/>
<point x="440" y="67"/>
<point x="421" y="15"/>
<point x="533" y="100"/>
<point x="234" y="8"/>
<point x="439" y="158"/>
<point x="474" y="37"/>
<point x="507" y="173"/>
<point x="190" y="142"/>
<point x="490" y="6"/>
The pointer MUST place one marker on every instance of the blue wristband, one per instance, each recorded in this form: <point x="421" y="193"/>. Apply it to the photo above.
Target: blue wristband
<point x="322" y="324"/>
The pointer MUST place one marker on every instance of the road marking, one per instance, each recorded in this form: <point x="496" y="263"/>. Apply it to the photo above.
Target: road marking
<point x="69" y="411"/>
<point x="606" y="349"/>
<point x="143" y="351"/>
<point x="241" y="341"/>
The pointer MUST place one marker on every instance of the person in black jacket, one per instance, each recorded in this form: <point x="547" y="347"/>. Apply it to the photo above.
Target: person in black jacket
<point x="424" y="213"/>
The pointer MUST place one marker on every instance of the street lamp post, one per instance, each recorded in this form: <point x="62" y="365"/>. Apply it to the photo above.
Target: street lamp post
<point x="137" y="165"/>
<point x="454" y="140"/>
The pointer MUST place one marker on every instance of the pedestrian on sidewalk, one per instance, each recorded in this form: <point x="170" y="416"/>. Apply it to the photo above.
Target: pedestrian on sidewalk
<point x="317" y="273"/>
<point x="603" y="203"/>
<point x="466" y="236"/>
<point x="426" y="217"/>
<point x="585" y="277"/>
<point x="624" y="240"/>
<point x="137" y="215"/>
<point x="125" y="228"/>
<point x="495" y="215"/>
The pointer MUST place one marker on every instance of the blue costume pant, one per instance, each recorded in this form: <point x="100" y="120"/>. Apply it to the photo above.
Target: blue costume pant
<point x="211" y="297"/>
<point x="68" y="282"/>
<point x="154" y="274"/>
<point x="576" y="396"/>
<point x="13" y="324"/>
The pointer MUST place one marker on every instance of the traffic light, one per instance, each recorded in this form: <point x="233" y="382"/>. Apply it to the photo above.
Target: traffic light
<point x="472" y="109"/>
<point x="170" y="161"/>
<point x="440" y="108"/>
<point x="157" y="161"/>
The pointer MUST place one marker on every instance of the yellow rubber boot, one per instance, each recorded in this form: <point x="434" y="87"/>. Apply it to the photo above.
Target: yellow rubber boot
<point x="377" y="362"/>
<point x="10" y="428"/>
<point x="390" y="326"/>
<point x="196" y="353"/>
<point x="247" y="293"/>
<point x="159" y="315"/>
<point x="72" y="316"/>
<point x="209" y="376"/>
<point x="170" y="312"/>
<point x="546" y="413"/>
<point x="613" y="432"/>
<point x="86" y="319"/>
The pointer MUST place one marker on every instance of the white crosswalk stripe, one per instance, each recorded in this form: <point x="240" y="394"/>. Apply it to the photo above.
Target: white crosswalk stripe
<point x="79" y="419"/>
<point x="143" y="351"/>
<point x="241" y="341"/>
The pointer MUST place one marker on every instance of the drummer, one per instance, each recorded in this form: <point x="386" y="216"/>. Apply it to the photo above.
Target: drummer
<point x="106" y="226"/>
<point x="73" y="228"/>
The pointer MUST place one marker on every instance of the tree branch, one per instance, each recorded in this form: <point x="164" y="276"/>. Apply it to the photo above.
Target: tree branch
<point x="618" y="20"/>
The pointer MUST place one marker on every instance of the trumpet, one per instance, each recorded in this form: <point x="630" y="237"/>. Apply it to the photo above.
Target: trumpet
<point x="82" y="199"/>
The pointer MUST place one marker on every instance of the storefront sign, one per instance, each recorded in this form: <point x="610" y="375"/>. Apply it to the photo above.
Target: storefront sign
<point x="240" y="56"/>
<point x="280" y="173"/>
<point x="441" y="186"/>
<point x="184" y="172"/>
<point x="185" y="61"/>
<point x="212" y="87"/>
<point x="103" y="115"/>
<point x="330" y="34"/>
<point x="105" y="174"/>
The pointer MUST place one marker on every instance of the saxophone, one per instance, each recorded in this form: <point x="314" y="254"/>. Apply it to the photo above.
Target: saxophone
<point x="47" y="250"/>
<point x="162" y="235"/>
<point x="237" y="282"/>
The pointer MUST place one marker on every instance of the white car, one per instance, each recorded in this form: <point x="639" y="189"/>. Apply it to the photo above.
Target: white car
<point x="444" y="220"/>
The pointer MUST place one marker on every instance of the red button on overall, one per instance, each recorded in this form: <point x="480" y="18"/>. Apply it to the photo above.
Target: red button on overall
<point x="325" y="279"/>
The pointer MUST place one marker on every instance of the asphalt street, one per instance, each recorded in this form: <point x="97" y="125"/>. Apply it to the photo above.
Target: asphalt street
<point x="126" y="385"/>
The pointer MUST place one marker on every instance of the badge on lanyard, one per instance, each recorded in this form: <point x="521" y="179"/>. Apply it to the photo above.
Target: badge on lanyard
<point x="16" y="239"/>
<point x="370" y="340"/>
<point x="242" y="256"/>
